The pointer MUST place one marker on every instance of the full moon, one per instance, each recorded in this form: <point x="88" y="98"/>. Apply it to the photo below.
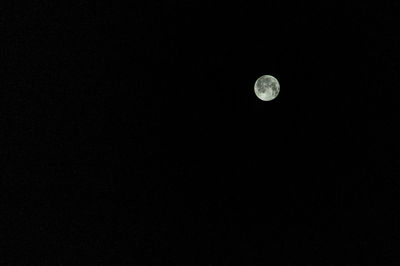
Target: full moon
<point x="266" y="88"/>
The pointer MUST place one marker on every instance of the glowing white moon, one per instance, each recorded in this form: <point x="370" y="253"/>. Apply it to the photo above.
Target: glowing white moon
<point x="266" y="88"/>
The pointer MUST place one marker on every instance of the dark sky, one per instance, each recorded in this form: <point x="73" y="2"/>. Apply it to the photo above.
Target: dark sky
<point x="131" y="133"/>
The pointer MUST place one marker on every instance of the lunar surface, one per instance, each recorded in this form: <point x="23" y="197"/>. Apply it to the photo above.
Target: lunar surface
<point x="267" y="88"/>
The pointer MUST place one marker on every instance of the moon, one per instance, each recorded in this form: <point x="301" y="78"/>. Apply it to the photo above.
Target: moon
<point x="267" y="88"/>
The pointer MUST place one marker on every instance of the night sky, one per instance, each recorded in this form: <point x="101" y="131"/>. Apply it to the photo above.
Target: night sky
<point x="131" y="134"/>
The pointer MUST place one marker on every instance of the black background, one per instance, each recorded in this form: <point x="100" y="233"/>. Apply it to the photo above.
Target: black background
<point x="132" y="135"/>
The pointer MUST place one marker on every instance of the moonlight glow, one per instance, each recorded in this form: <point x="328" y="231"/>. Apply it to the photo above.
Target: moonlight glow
<point x="267" y="88"/>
